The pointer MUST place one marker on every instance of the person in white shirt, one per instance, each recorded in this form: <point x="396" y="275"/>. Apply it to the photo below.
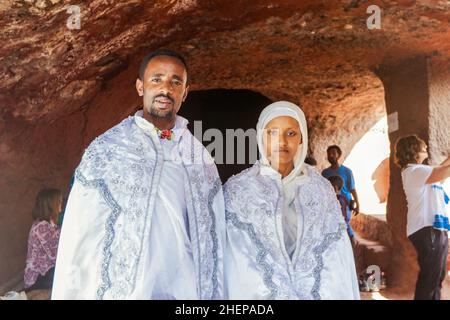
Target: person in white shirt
<point x="286" y="237"/>
<point x="427" y="219"/>
<point x="145" y="217"/>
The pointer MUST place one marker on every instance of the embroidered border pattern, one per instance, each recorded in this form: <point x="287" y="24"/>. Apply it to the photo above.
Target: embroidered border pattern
<point x="261" y="255"/>
<point x="116" y="210"/>
<point x="213" y="192"/>
<point x="318" y="252"/>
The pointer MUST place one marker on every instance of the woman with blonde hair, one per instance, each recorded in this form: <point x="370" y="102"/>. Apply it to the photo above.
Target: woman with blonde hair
<point x="427" y="220"/>
<point x="43" y="240"/>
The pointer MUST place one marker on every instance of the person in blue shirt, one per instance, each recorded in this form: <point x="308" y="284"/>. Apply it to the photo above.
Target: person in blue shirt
<point x="335" y="169"/>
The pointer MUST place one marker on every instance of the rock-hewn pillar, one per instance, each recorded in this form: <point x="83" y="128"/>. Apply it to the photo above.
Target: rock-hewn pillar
<point x="418" y="92"/>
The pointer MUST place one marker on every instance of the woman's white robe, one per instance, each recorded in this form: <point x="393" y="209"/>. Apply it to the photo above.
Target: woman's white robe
<point x="257" y="265"/>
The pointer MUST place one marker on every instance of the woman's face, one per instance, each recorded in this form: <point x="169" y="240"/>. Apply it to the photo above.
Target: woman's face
<point x="422" y="155"/>
<point x="281" y="140"/>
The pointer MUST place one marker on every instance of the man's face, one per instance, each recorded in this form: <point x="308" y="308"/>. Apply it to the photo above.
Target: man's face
<point x="163" y="87"/>
<point x="333" y="156"/>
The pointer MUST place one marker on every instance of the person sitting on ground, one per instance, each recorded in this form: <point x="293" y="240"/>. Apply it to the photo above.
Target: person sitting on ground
<point x="43" y="240"/>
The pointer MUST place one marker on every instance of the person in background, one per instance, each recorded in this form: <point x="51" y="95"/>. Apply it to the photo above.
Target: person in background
<point x="427" y="220"/>
<point x="43" y="240"/>
<point x="334" y="153"/>
<point x="311" y="161"/>
<point x="338" y="183"/>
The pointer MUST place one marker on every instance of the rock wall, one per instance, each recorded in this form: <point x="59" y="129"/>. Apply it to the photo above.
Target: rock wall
<point x="60" y="87"/>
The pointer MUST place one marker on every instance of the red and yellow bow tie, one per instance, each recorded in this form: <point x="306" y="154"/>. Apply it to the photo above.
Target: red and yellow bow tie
<point x="165" y="134"/>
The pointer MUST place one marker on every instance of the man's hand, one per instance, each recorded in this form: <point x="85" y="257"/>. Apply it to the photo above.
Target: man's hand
<point x="355" y="199"/>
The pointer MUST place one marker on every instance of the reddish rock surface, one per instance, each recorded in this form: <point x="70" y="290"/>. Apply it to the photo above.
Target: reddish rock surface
<point x="59" y="88"/>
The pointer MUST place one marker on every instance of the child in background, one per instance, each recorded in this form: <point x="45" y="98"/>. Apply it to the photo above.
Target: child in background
<point x="338" y="183"/>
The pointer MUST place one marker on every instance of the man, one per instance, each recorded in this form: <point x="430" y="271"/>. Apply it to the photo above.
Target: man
<point x="145" y="217"/>
<point x="348" y="190"/>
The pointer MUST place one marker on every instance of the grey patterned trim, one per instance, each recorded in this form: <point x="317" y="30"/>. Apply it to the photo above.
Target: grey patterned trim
<point x="213" y="192"/>
<point x="100" y="185"/>
<point x="189" y="201"/>
<point x="192" y="150"/>
<point x="260" y="256"/>
<point x="318" y="252"/>
<point x="116" y="210"/>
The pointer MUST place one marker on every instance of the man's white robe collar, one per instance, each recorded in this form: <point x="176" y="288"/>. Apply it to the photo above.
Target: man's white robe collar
<point x="148" y="127"/>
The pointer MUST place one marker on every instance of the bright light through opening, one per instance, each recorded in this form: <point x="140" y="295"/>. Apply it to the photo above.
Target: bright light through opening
<point x="369" y="161"/>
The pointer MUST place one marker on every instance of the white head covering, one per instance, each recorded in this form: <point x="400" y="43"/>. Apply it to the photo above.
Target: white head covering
<point x="280" y="109"/>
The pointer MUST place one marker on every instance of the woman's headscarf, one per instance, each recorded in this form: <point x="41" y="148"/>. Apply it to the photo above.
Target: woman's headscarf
<point x="280" y="109"/>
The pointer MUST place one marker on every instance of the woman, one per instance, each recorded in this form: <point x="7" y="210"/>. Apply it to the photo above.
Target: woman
<point x="427" y="220"/>
<point x="286" y="235"/>
<point x="43" y="240"/>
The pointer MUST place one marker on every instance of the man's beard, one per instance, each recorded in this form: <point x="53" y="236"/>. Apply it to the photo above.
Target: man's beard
<point x="162" y="114"/>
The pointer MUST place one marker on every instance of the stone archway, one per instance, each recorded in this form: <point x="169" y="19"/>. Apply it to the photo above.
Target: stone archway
<point x="224" y="110"/>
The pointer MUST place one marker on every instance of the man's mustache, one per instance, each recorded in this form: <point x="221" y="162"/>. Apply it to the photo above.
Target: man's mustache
<point x="164" y="96"/>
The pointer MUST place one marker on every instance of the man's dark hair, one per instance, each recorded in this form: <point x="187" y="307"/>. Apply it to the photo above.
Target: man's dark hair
<point x="336" y="181"/>
<point x="160" y="52"/>
<point x="335" y="147"/>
